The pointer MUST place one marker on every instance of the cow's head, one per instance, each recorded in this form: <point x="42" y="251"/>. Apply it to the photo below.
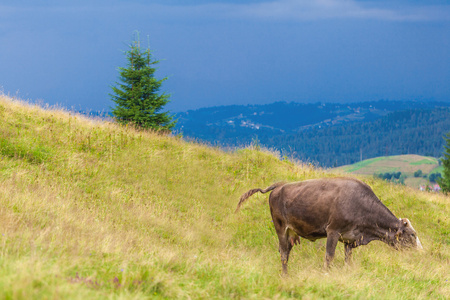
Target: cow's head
<point x="406" y="236"/>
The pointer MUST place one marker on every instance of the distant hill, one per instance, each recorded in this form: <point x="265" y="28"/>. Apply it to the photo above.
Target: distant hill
<point x="415" y="131"/>
<point x="410" y="166"/>
<point x="328" y="134"/>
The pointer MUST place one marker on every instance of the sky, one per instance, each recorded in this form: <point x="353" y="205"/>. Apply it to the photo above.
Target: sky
<point x="67" y="53"/>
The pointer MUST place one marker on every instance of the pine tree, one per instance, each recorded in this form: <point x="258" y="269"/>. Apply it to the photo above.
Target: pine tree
<point x="137" y="97"/>
<point x="444" y="182"/>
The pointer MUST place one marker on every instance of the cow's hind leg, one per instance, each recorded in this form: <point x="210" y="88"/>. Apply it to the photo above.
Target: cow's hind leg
<point x="285" y="249"/>
<point x="332" y="239"/>
<point x="348" y="252"/>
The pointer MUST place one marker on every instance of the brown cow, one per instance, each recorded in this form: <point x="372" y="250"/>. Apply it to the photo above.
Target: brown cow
<point x="340" y="209"/>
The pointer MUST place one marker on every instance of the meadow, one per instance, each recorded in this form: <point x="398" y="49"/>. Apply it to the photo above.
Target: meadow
<point x="93" y="210"/>
<point x="407" y="164"/>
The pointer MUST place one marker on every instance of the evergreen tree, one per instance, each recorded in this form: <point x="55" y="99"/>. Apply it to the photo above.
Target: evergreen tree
<point x="444" y="182"/>
<point x="137" y="97"/>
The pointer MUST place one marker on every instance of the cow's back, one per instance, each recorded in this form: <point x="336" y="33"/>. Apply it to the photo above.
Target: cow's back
<point x="310" y="206"/>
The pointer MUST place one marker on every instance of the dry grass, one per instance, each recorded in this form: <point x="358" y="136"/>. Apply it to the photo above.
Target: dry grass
<point x="89" y="209"/>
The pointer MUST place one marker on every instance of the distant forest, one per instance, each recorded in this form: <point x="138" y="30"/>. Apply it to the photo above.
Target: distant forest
<point x="417" y="131"/>
<point x="325" y="134"/>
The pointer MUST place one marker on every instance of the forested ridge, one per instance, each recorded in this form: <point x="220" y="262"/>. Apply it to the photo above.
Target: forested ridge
<point x="326" y="134"/>
<point x="416" y="131"/>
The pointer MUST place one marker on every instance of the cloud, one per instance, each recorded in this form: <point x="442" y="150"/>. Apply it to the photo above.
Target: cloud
<point x="275" y="10"/>
<point x="292" y="10"/>
<point x="307" y="10"/>
<point x="304" y="10"/>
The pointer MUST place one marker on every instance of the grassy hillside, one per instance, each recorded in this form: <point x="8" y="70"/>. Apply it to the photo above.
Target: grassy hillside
<point x="406" y="164"/>
<point x="91" y="210"/>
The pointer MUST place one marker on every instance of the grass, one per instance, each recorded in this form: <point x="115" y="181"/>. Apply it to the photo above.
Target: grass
<point x="92" y="210"/>
<point x="359" y="165"/>
<point x="403" y="163"/>
<point x="426" y="161"/>
<point x="406" y="164"/>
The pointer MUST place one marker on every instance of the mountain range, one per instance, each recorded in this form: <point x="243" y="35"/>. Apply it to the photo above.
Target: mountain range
<point x="326" y="134"/>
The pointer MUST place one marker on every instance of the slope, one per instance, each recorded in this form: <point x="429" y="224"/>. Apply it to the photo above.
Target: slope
<point x="92" y="210"/>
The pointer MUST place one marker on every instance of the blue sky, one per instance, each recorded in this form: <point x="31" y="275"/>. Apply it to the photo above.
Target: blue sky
<point x="229" y="52"/>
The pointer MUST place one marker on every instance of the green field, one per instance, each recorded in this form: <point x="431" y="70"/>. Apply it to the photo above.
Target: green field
<point x="92" y="210"/>
<point x="406" y="164"/>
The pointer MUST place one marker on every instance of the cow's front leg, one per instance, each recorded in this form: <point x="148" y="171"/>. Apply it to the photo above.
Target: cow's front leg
<point x="332" y="239"/>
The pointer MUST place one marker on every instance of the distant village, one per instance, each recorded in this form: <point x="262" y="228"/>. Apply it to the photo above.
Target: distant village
<point x="430" y="188"/>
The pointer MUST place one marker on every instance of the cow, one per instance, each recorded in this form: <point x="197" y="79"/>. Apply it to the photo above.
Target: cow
<point x="339" y="209"/>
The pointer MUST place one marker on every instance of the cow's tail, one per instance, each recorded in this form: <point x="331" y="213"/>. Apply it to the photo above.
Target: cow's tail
<point x="253" y="191"/>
